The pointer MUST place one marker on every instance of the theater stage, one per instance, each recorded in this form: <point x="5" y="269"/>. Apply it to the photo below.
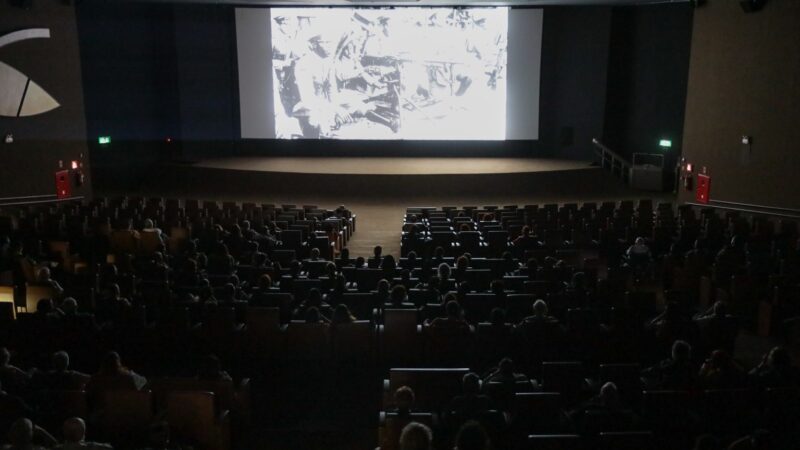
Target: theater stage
<point x="392" y="165"/>
<point x="410" y="180"/>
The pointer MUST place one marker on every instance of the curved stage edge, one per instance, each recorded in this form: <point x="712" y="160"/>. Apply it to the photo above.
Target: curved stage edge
<point x="247" y="179"/>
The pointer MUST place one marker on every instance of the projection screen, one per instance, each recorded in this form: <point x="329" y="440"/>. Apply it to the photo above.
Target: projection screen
<point x="401" y="73"/>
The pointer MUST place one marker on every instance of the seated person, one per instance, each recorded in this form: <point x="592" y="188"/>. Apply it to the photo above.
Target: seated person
<point x="671" y="325"/>
<point x="61" y="378"/>
<point x="707" y="442"/>
<point x="12" y="377"/>
<point x="717" y="329"/>
<point x="639" y="255"/>
<point x="607" y="401"/>
<point x="74" y="432"/>
<point x="211" y="370"/>
<point x="403" y="401"/>
<point x="757" y="440"/>
<point x="500" y="299"/>
<point x="540" y="328"/>
<point x="720" y="371"/>
<point x="43" y="278"/>
<point x="377" y="258"/>
<point x="676" y="372"/>
<point x="398" y="298"/>
<point x="341" y="315"/>
<point x="454" y="321"/>
<point x="470" y="404"/>
<point x="416" y="436"/>
<point x="504" y="373"/>
<point x="23" y="434"/>
<point x="73" y="319"/>
<point x="12" y="408"/>
<point x="312" y="315"/>
<point x="776" y="370"/>
<point x="113" y="375"/>
<point x="472" y="436"/>
<point x="314" y="300"/>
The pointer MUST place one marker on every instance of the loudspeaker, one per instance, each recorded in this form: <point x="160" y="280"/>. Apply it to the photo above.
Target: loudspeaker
<point x="752" y="5"/>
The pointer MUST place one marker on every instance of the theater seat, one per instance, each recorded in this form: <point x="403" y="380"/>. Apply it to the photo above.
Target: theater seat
<point x="308" y="341"/>
<point x="631" y="440"/>
<point x="564" y="377"/>
<point x="125" y="415"/>
<point x="555" y="442"/>
<point x="538" y="412"/>
<point x="354" y="343"/>
<point x="399" y="337"/>
<point x="192" y="417"/>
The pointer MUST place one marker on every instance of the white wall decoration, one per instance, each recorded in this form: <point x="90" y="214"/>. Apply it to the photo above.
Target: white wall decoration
<point x="19" y="95"/>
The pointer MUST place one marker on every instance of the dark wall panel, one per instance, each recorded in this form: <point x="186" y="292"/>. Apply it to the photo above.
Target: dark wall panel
<point x="574" y="67"/>
<point x="130" y="78"/>
<point x="205" y="47"/>
<point x="647" y="76"/>
<point x="27" y="166"/>
<point x="743" y="80"/>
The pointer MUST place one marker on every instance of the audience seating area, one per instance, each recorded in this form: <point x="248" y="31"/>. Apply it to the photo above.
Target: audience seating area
<point x="612" y="325"/>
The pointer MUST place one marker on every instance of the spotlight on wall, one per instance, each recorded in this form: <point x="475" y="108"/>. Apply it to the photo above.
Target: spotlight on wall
<point x="9" y="139"/>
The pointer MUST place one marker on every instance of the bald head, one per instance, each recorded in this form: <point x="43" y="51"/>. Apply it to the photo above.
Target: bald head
<point x="74" y="429"/>
<point x="21" y="432"/>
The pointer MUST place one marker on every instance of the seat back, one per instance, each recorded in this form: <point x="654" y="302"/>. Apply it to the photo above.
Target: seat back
<point x="263" y="322"/>
<point x="563" y="377"/>
<point x="666" y="410"/>
<point x="149" y="242"/>
<point x="630" y="440"/>
<point x="192" y="416"/>
<point x="360" y="304"/>
<point x="308" y="341"/>
<point x="555" y="442"/>
<point x="354" y="342"/>
<point x="433" y="387"/>
<point x="367" y="279"/>
<point x="537" y="411"/>
<point x="126" y="412"/>
<point x="400" y="341"/>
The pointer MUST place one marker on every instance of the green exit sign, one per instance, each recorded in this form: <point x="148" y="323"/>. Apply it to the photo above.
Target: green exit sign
<point x="665" y="143"/>
<point x="104" y="140"/>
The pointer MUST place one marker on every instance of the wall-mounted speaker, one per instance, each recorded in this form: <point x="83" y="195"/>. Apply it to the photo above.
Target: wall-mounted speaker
<point x="752" y="5"/>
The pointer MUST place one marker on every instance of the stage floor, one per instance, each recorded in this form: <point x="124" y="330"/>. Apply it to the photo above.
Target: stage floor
<point x="391" y="165"/>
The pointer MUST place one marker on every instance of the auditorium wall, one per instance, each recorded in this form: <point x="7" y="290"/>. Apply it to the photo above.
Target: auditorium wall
<point x="42" y="141"/>
<point x="130" y="82"/>
<point x="743" y="80"/>
<point x="647" y="75"/>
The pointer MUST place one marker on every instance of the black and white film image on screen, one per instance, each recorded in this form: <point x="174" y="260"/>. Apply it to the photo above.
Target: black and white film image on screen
<point x="405" y="73"/>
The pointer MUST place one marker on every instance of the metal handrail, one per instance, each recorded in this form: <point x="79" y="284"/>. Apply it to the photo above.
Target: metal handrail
<point x="763" y="212"/>
<point x="612" y="160"/>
